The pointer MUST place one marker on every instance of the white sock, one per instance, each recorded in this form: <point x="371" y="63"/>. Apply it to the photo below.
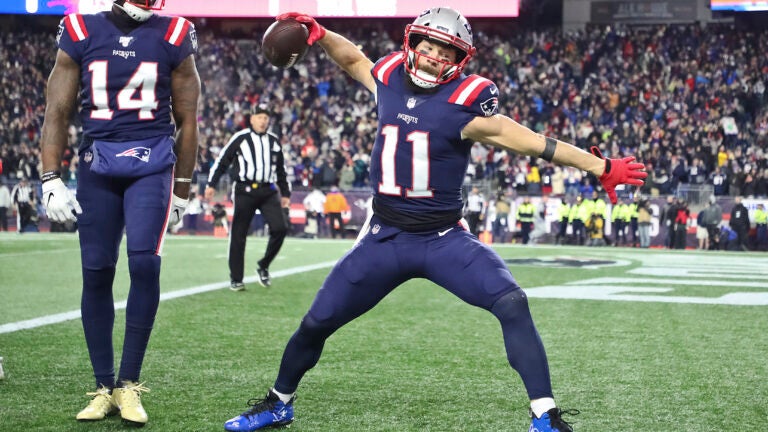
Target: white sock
<point x="287" y="397"/>
<point x="540" y="406"/>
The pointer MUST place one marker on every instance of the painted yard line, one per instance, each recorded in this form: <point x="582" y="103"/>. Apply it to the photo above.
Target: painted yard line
<point x="67" y="316"/>
<point x="38" y="252"/>
<point x="645" y="294"/>
<point x="32" y="237"/>
<point x="683" y="272"/>
<point x="631" y="281"/>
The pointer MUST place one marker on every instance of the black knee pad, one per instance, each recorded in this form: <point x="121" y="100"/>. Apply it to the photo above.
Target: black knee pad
<point x="511" y="306"/>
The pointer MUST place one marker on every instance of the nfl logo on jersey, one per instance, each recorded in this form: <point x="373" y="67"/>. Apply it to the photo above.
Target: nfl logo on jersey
<point x="125" y="41"/>
<point x="411" y="103"/>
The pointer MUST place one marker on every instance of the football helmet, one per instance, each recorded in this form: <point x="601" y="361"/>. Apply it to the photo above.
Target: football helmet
<point x="140" y="10"/>
<point x="443" y="25"/>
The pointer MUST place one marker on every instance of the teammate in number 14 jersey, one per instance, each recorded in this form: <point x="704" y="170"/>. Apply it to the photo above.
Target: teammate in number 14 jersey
<point x="139" y="91"/>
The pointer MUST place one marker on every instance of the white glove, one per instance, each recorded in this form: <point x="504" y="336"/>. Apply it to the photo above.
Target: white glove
<point x="59" y="202"/>
<point x="179" y="205"/>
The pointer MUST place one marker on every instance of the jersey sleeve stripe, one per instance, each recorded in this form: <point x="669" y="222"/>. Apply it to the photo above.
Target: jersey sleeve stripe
<point x="385" y="68"/>
<point x="76" y="27"/>
<point x="468" y="91"/>
<point x="176" y="31"/>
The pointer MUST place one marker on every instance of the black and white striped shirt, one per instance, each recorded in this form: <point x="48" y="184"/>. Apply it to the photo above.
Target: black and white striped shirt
<point x="259" y="160"/>
<point x="22" y="193"/>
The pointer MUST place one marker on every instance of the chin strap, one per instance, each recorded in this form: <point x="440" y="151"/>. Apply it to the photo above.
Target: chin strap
<point x="136" y="13"/>
<point x="420" y="81"/>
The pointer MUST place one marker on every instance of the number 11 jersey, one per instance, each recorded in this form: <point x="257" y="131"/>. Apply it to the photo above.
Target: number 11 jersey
<point x="419" y="158"/>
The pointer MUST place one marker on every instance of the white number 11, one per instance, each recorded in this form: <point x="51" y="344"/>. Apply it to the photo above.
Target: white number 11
<point x="419" y="163"/>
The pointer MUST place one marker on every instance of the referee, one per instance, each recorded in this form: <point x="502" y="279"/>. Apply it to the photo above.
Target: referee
<point x="260" y="173"/>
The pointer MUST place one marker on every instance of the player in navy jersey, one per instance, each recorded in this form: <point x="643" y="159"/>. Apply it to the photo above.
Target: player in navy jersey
<point x="139" y="88"/>
<point x="429" y="114"/>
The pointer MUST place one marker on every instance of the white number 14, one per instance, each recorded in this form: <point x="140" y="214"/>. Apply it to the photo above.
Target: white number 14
<point x="143" y="80"/>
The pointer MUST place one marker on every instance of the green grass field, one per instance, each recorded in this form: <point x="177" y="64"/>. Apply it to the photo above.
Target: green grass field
<point x="637" y="340"/>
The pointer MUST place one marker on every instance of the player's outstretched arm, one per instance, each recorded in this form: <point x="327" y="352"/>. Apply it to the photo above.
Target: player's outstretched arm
<point x="185" y="93"/>
<point x="61" y="95"/>
<point x="343" y="52"/>
<point x="503" y="132"/>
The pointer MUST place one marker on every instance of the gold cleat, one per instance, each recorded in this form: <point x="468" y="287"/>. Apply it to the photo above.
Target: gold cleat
<point x="100" y="406"/>
<point x="128" y="400"/>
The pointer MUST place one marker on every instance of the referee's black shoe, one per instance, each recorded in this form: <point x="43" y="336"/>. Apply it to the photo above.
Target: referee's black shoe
<point x="264" y="279"/>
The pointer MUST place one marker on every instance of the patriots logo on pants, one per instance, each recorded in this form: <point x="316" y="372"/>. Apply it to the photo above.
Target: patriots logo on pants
<point x="141" y="153"/>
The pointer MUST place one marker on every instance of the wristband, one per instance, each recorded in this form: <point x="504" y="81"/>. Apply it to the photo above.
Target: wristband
<point x="49" y="175"/>
<point x="182" y="180"/>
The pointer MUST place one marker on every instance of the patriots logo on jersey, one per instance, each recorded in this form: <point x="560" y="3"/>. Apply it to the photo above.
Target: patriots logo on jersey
<point x="490" y="106"/>
<point x="140" y="153"/>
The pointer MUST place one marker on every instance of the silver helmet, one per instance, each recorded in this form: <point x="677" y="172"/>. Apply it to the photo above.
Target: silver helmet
<point x="445" y="26"/>
<point x="140" y="10"/>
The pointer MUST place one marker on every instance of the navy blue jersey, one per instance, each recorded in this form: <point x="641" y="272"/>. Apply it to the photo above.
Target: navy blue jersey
<point x="419" y="158"/>
<point x="125" y="77"/>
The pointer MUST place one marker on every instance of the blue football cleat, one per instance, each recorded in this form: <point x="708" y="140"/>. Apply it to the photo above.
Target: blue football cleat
<point x="265" y="413"/>
<point x="551" y="421"/>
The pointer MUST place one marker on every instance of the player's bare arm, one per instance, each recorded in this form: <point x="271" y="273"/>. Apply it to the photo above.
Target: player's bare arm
<point x="185" y="93"/>
<point x="503" y="132"/>
<point x="61" y="95"/>
<point x="349" y="57"/>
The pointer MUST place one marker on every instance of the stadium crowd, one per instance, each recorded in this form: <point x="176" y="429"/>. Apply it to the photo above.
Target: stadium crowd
<point x="689" y="101"/>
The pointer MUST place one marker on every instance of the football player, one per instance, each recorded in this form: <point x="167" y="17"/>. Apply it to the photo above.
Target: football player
<point x="139" y="87"/>
<point x="430" y="113"/>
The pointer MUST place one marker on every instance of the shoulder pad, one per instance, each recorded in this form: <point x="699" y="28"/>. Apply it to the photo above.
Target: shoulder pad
<point x="177" y="31"/>
<point x="478" y="93"/>
<point x="386" y="65"/>
<point x="75" y="26"/>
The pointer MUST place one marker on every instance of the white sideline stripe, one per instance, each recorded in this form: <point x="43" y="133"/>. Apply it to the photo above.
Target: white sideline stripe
<point x="39" y="252"/>
<point x="68" y="316"/>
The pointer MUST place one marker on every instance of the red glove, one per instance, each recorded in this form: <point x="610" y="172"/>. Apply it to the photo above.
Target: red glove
<point x="619" y="171"/>
<point x="316" y="31"/>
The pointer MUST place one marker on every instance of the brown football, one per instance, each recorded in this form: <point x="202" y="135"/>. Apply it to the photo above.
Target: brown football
<point x="285" y="43"/>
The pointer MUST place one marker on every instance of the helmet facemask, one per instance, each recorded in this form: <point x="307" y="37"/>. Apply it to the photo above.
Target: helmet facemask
<point x="140" y="10"/>
<point x="443" y="26"/>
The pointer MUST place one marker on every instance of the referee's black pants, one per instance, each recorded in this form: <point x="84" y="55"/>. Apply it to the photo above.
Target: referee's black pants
<point x="247" y="199"/>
